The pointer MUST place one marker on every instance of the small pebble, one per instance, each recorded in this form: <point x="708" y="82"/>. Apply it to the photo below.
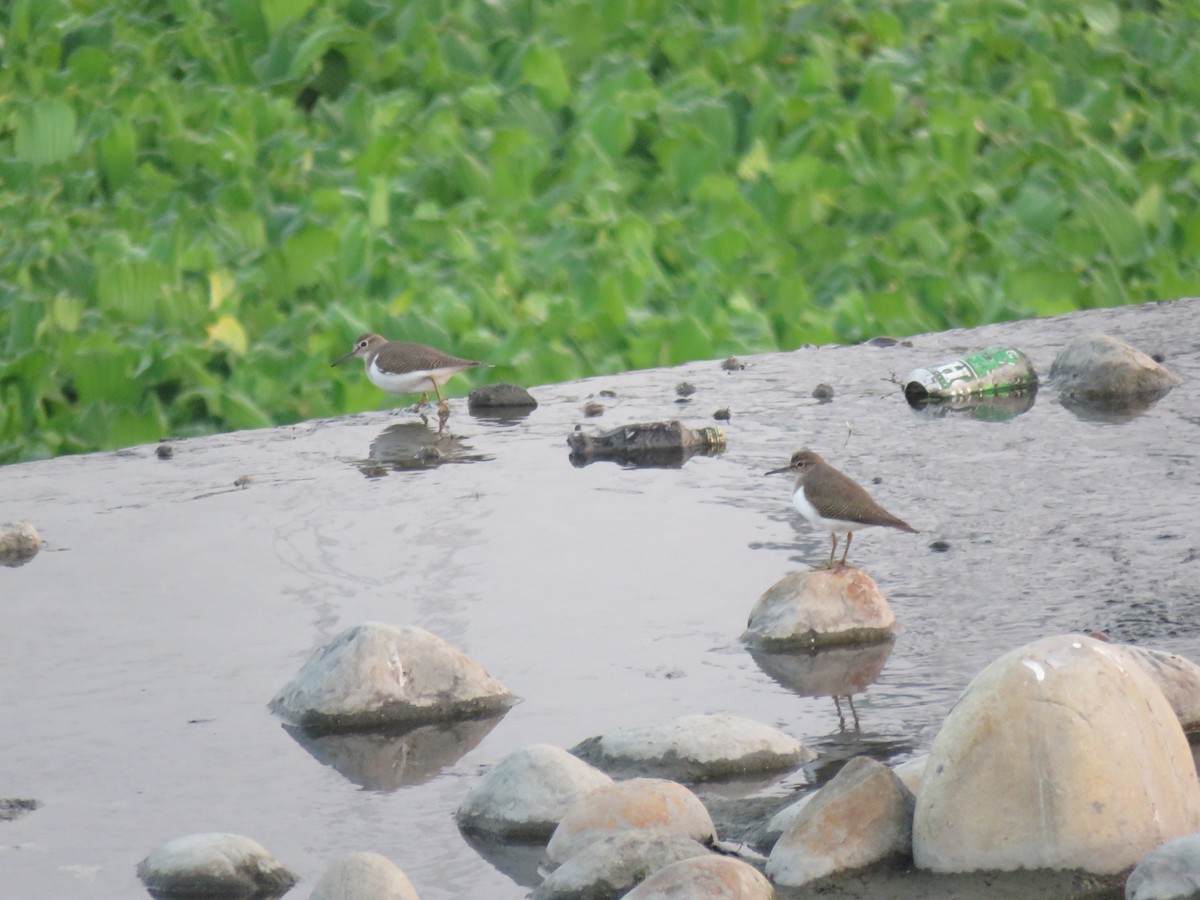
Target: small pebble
<point x="591" y="409"/>
<point x="733" y="364"/>
<point x="685" y="389"/>
<point x="823" y="392"/>
<point x="164" y="451"/>
<point x="939" y="546"/>
<point x="722" y="414"/>
<point x="608" y="393"/>
<point x="374" y="471"/>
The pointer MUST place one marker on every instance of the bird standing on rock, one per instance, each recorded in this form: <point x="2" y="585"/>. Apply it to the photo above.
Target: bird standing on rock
<point x="834" y="501"/>
<point x="399" y="367"/>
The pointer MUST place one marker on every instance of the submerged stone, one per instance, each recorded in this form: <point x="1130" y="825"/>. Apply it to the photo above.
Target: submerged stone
<point x="214" y="864"/>
<point x="649" y="804"/>
<point x="697" y="747"/>
<point x="19" y="543"/>
<point x="528" y="792"/>
<point x="364" y="876"/>
<point x="1098" y="367"/>
<point x="821" y="607"/>
<point x="501" y="395"/>
<point x="376" y="675"/>
<point x="1170" y="872"/>
<point x="706" y="877"/>
<point x="611" y="865"/>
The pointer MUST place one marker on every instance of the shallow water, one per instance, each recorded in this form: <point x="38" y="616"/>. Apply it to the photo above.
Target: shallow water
<point x="140" y="648"/>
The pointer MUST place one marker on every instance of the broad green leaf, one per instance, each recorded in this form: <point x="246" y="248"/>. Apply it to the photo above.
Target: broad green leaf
<point x="1102" y="16"/>
<point x="279" y="13"/>
<point x="118" y="155"/>
<point x="46" y="133"/>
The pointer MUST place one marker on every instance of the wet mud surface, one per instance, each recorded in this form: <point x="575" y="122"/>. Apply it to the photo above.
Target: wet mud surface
<point x="173" y="599"/>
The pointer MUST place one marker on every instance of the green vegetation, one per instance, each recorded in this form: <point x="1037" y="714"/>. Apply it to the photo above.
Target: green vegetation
<point x="203" y="202"/>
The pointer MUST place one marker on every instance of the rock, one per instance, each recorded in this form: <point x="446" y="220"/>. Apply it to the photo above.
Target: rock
<point x="15" y="807"/>
<point x="705" y="878"/>
<point x="733" y="364"/>
<point x="1171" y="872"/>
<point x="1177" y="678"/>
<point x="1097" y="367"/>
<point x="500" y="395"/>
<point x="823" y="393"/>
<point x="528" y="792"/>
<point x="214" y="864"/>
<point x="821" y="607"/>
<point x="364" y="876"/>
<point x="693" y="748"/>
<point x="376" y="675"/>
<point x="19" y="543"/>
<point x="786" y="817"/>
<point x="610" y="866"/>
<point x="647" y="804"/>
<point x="863" y="815"/>
<point x="1062" y="754"/>
<point x="912" y="772"/>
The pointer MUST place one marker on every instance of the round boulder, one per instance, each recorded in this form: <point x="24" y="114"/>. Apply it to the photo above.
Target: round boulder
<point x="1172" y="872"/>
<point x="1062" y="754"/>
<point x="821" y="607"/>
<point x="697" y="747"/>
<point x="1177" y="678"/>
<point x="528" y="792"/>
<point x="364" y="876"/>
<point x="610" y="866"/>
<point x="640" y="804"/>
<point x="501" y="395"/>
<point x="376" y="675"/>
<point x="19" y="543"/>
<point x="705" y="878"/>
<point x="216" y="864"/>
<point x="1099" y="367"/>
<point x="863" y="815"/>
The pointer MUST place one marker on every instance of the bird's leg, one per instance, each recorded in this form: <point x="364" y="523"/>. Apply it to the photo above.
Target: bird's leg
<point x="853" y="711"/>
<point x="443" y="406"/>
<point x="833" y="550"/>
<point x="849" y="535"/>
<point x="841" y="719"/>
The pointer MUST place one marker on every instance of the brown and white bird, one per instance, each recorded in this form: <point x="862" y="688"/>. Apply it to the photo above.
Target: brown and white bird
<point x="399" y="367"/>
<point x="834" y="501"/>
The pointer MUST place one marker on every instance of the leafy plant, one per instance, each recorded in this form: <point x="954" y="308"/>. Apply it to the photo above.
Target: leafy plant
<point x="201" y="204"/>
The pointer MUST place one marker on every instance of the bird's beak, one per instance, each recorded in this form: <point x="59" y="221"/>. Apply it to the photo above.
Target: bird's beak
<point x="777" y="471"/>
<point x="342" y="359"/>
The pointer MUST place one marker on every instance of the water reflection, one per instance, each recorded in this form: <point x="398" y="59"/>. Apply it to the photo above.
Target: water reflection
<point x="413" y="446"/>
<point x="652" y="445"/>
<point x="387" y="760"/>
<point x="992" y="408"/>
<point x="518" y="860"/>
<point x="837" y="672"/>
<point x="1111" y="410"/>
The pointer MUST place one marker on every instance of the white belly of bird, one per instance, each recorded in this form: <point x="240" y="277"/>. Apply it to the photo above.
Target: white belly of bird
<point x="418" y="382"/>
<point x="833" y="526"/>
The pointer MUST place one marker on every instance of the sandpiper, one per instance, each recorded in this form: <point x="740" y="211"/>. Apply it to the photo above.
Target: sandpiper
<point x="404" y="368"/>
<point x="834" y="501"/>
